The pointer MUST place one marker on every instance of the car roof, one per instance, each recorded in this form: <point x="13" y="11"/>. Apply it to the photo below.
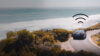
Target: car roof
<point x="79" y="31"/>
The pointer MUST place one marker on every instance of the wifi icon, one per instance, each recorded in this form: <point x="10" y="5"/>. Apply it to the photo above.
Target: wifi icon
<point x="80" y="17"/>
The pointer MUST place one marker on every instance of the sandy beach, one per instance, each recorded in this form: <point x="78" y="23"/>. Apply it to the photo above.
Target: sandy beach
<point x="64" y="23"/>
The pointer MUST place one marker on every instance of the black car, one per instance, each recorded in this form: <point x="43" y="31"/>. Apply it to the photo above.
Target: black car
<point x="79" y="35"/>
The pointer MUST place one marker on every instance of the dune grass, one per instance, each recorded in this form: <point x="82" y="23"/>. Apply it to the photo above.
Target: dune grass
<point x="37" y="43"/>
<point x="96" y="39"/>
<point x="97" y="26"/>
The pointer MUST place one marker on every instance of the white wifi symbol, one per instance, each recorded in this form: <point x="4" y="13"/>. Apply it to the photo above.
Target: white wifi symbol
<point x="80" y="16"/>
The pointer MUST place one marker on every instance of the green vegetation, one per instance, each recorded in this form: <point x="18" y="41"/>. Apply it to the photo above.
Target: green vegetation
<point x="97" y="26"/>
<point x="96" y="39"/>
<point x="61" y="34"/>
<point x="11" y="34"/>
<point x="94" y="27"/>
<point x="37" y="43"/>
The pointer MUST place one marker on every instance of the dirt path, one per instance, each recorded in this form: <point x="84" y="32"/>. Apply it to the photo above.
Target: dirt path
<point x="86" y="45"/>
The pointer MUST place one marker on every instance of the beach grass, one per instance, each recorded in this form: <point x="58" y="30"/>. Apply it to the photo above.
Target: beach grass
<point x="96" y="39"/>
<point x="37" y="43"/>
<point x="94" y="27"/>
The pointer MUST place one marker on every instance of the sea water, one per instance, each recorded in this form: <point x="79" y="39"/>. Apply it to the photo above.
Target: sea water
<point x="12" y="19"/>
<point x="27" y="14"/>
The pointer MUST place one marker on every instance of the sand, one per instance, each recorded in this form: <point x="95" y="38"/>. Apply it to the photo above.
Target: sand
<point x="64" y="23"/>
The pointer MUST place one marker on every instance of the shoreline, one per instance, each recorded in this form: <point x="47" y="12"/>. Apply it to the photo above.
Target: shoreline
<point x="63" y="23"/>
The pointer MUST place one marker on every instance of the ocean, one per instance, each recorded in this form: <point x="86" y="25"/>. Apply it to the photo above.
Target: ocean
<point x="13" y="19"/>
<point x="28" y="14"/>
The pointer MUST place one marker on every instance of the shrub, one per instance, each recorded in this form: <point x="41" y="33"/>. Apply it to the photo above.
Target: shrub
<point x="43" y="36"/>
<point x="97" y="26"/>
<point x="61" y="34"/>
<point x="84" y="53"/>
<point x="7" y="44"/>
<point x="11" y="34"/>
<point x="24" y="44"/>
<point x="25" y="37"/>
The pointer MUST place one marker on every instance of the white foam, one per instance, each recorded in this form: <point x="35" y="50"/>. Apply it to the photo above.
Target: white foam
<point x="64" y="23"/>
